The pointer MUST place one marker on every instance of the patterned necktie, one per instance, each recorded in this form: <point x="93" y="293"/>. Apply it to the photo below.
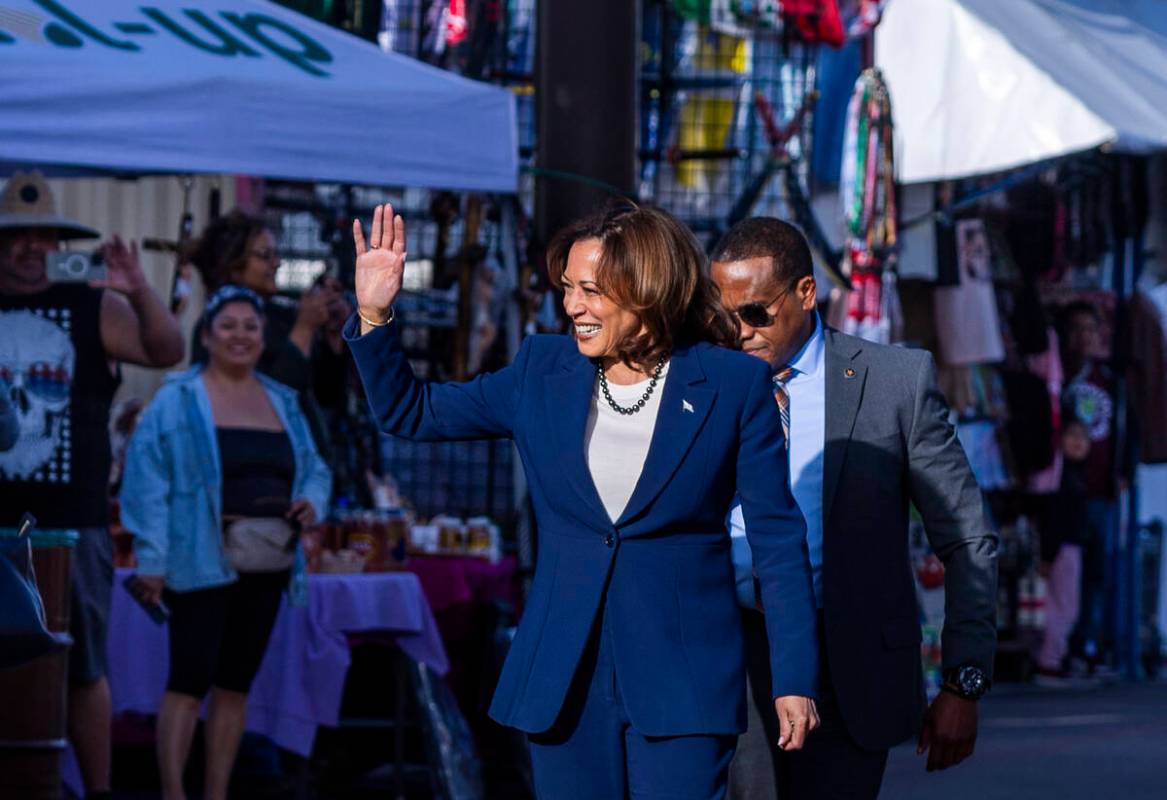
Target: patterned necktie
<point x="782" y="397"/>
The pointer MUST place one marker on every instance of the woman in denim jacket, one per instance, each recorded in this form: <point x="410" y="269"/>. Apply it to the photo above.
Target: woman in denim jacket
<point x="219" y="443"/>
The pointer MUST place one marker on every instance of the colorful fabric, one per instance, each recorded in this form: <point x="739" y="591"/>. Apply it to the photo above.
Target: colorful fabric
<point x="816" y="21"/>
<point x="782" y="397"/>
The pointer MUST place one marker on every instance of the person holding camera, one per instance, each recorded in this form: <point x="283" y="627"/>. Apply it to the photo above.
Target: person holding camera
<point x="68" y="322"/>
<point x="220" y="475"/>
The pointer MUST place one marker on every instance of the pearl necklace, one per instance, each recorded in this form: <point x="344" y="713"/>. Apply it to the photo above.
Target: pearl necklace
<point x="639" y="404"/>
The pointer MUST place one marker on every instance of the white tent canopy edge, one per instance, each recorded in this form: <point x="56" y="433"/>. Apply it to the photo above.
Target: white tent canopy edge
<point x="243" y="87"/>
<point x="981" y="86"/>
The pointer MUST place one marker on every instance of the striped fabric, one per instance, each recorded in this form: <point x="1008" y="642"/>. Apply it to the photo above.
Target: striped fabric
<point x="782" y="397"/>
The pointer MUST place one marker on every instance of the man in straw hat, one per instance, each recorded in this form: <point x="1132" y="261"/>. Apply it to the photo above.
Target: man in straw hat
<point x="59" y="355"/>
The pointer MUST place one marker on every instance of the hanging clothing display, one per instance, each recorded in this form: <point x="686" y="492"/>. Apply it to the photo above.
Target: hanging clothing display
<point x="732" y="17"/>
<point x="967" y="324"/>
<point x="1048" y="367"/>
<point x="862" y="16"/>
<point x="1149" y="374"/>
<point x="816" y="21"/>
<point x="1030" y="428"/>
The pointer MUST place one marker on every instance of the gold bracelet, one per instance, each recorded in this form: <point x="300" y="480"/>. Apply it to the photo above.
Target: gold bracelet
<point x="368" y="321"/>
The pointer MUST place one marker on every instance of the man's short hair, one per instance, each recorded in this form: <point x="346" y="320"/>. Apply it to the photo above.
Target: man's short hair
<point x="760" y="237"/>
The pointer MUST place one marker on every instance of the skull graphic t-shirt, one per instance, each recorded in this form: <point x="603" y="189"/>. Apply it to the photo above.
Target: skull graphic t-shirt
<point x="60" y="384"/>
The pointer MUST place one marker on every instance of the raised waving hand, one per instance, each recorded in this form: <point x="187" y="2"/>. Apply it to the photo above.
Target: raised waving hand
<point x="380" y="266"/>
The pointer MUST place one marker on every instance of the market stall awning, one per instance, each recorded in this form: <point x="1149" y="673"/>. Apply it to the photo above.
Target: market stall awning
<point x="238" y="86"/>
<point x="980" y="86"/>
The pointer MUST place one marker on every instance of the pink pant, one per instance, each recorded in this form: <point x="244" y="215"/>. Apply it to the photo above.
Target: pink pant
<point x="1063" y="591"/>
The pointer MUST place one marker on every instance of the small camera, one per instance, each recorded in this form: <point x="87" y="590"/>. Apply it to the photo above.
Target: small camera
<point x="71" y="266"/>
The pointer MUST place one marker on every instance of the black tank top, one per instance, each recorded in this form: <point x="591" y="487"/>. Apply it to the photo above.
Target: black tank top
<point x="56" y="372"/>
<point x="258" y="470"/>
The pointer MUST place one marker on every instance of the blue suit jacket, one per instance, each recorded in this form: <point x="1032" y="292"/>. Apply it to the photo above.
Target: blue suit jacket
<point x="663" y="569"/>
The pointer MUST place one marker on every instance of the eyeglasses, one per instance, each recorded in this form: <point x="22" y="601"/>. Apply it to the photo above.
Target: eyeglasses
<point x="269" y="255"/>
<point x="757" y="315"/>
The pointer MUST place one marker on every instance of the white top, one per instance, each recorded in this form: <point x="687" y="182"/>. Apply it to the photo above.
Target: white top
<point x="616" y="445"/>
<point x="808" y="432"/>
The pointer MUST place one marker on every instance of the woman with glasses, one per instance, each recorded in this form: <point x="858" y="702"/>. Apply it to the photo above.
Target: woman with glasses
<point x="238" y="249"/>
<point x="636" y="432"/>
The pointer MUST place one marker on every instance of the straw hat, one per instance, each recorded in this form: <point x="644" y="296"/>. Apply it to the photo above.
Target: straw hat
<point x="27" y="202"/>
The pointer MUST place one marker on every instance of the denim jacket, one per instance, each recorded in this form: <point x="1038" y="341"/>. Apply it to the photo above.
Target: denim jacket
<point x="172" y="493"/>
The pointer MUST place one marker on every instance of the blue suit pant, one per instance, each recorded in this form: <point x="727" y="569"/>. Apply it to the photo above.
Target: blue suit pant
<point x="593" y="752"/>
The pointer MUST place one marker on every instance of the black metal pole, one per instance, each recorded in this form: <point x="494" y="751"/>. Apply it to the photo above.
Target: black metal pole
<point x="587" y="112"/>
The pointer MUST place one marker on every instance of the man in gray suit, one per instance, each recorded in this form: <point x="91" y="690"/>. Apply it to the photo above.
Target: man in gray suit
<point x="868" y="433"/>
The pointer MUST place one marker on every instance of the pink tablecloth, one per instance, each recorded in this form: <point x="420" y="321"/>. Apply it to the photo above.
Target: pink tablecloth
<point x="452" y="581"/>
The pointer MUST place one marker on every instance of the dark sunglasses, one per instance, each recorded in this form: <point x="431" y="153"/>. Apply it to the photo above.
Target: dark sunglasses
<point x="757" y="315"/>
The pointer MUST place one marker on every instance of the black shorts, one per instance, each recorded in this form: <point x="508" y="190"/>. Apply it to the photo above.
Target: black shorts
<point x="218" y="636"/>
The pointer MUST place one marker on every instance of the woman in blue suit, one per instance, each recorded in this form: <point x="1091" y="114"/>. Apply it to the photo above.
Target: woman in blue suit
<point x="636" y="433"/>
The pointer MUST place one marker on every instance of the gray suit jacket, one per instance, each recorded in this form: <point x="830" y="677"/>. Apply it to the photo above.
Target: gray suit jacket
<point x="889" y="444"/>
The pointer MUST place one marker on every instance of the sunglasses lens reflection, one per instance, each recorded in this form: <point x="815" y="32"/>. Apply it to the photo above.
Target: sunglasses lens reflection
<point x="754" y="315"/>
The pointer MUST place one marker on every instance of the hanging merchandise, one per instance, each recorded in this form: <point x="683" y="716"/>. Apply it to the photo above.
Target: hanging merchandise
<point x="733" y="17"/>
<point x="917" y="255"/>
<point x="862" y="16"/>
<point x="867" y="184"/>
<point x="706" y="119"/>
<point x="1048" y="367"/>
<point x="387" y="30"/>
<point x="457" y="26"/>
<point x="434" y="30"/>
<point x="967" y="324"/>
<point x="815" y="21"/>
<point x="867" y="188"/>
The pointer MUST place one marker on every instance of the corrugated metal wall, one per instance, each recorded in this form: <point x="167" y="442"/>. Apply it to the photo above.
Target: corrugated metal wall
<point x="138" y="209"/>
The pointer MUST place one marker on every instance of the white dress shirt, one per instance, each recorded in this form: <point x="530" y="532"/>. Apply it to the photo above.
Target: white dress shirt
<point x="808" y="429"/>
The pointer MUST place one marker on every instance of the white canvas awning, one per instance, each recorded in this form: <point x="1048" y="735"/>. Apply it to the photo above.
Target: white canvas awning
<point x="981" y="86"/>
<point x="238" y="86"/>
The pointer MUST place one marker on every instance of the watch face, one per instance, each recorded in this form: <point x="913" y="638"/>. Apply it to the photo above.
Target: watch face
<point x="971" y="681"/>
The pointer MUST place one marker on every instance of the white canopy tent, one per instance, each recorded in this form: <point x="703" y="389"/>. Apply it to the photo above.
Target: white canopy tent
<point x="238" y="86"/>
<point x="982" y="86"/>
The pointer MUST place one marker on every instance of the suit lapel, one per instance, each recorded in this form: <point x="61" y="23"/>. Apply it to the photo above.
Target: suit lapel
<point x="685" y="404"/>
<point x="845" y="378"/>
<point x="567" y="402"/>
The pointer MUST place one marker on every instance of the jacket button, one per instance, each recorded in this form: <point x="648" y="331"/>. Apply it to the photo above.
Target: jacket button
<point x="609" y="540"/>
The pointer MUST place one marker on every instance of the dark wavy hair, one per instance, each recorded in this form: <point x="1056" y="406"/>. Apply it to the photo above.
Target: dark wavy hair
<point x="221" y="251"/>
<point x="653" y="266"/>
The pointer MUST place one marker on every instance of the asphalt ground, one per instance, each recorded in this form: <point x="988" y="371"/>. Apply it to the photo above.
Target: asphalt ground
<point x="1107" y="743"/>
